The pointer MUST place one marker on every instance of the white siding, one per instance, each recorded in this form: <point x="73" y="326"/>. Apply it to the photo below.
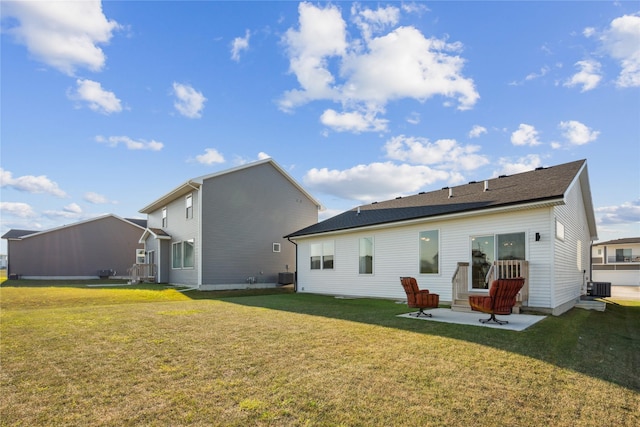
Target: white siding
<point x="397" y="254"/>
<point x="571" y="254"/>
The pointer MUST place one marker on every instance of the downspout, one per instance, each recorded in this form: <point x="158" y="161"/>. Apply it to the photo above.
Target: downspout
<point x="295" y="275"/>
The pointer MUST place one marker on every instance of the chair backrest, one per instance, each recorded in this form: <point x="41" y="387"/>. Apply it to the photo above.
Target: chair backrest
<point x="410" y="286"/>
<point x="503" y="294"/>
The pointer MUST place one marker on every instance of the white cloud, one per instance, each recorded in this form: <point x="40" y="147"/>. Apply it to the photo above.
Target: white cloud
<point x="322" y="35"/>
<point x="372" y="182"/>
<point x="210" y="156"/>
<point x="352" y="121"/>
<point x="189" y="102"/>
<point x="262" y="155"/>
<point x="446" y="153"/>
<point x="588" y="77"/>
<point x="96" y="199"/>
<point x="476" y="131"/>
<point x="628" y="212"/>
<point x="99" y="100"/>
<point x="71" y="211"/>
<point x="372" y="71"/>
<point x="239" y="44"/>
<point x="578" y="133"/>
<point x="523" y="164"/>
<point x="30" y="184"/>
<point x="622" y="42"/>
<point x="525" y="135"/>
<point x="543" y="71"/>
<point x="62" y="34"/>
<point x="131" y="144"/>
<point x="21" y="210"/>
<point x="374" y="21"/>
<point x="414" y="118"/>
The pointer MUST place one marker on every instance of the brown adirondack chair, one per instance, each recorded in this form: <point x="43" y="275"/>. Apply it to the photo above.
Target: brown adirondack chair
<point x="501" y="299"/>
<point x="419" y="298"/>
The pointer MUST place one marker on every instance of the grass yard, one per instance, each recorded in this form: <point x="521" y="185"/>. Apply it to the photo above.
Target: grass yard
<point x="147" y="355"/>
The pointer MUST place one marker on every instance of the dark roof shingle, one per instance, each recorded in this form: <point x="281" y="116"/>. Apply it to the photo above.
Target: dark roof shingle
<point x="534" y="186"/>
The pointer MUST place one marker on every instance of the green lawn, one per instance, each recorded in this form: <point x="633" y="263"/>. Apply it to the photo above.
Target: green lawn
<point x="149" y="355"/>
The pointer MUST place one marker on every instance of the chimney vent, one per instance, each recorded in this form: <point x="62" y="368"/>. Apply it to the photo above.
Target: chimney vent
<point x="486" y="185"/>
<point x="450" y="192"/>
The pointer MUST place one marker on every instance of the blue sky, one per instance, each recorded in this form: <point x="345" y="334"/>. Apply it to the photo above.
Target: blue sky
<point x="108" y="105"/>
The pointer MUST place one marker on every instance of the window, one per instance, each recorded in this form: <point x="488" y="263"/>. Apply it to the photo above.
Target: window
<point x="623" y="255"/>
<point x="188" y="201"/>
<point x="321" y="256"/>
<point x="188" y="254"/>
<point x="559" y="230"/>
<point x="176" y="255"/>
<point x="489" y="248"/>
<point x="511" y="246"/>
<point x="182" y="254"/>
<point x="366" y="255"/>
<point x="164" y="217"/>
<point x="276" y="247"/>
<point x="429" y="252"/>
<point x="140" y="256"/>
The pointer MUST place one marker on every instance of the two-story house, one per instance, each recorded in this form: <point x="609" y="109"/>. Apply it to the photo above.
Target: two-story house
<point x="225" y="230"/>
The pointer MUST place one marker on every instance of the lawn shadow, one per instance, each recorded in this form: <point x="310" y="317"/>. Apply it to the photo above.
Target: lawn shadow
<point x="604" y="345"/>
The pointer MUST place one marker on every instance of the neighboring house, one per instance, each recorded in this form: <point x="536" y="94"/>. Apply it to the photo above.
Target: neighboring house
<point x="617" y="262"/>
<point x="224" y="230"/>
<point x="538" y="224"/>
<point x="3" y="261"/>
<point x="102" y="246"/>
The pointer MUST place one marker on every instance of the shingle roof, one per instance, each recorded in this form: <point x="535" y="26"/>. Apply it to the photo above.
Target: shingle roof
<point x="17" y="234"/>
<point x="137" y="221"/>
<point x="542" y="184"/>
<point x="624" y="241"/>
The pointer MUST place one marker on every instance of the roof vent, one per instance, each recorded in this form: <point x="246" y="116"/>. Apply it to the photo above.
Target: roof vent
<point x="358" y="212"/>
<point x="374" y="203"/>
<point x="399" y="197"/>
<point x="422" y="192"/>
<point x="450" y="192"/>
<point x="503" y="176"/>
<point x="540" y="168"/>
<point x="486" y="185"/>
<point x="472" y="182"/>
<point x="445" y="188"/>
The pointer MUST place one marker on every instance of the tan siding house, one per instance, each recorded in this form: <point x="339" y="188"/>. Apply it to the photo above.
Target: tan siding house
<point x="102" y="246"/>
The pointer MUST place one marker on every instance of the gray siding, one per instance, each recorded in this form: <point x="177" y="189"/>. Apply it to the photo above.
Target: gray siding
<point x="243" y="214"/>
<point x="77" y="250"/>
<point x="181" y="229"/>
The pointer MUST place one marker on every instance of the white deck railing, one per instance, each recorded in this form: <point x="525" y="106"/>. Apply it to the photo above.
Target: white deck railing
<point x="142" y="272"/>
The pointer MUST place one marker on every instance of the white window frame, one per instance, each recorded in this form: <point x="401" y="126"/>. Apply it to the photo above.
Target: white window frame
<point x="276" y="247"/>
<point x="175" y="258"/>
<point x="326" y="249"/>
<point x="164" y="217"/>
<point x="188" y="206"/>
<point x="421" y="237"/>
<point x="361" y="241"/>
<point x="559" y="230"/>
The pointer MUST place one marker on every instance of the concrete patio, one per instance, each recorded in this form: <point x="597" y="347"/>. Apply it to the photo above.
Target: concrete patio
<point x="517" y="322"/>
